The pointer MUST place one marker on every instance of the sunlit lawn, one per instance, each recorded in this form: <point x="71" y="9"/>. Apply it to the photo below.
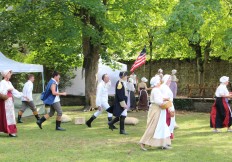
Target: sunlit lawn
<point x="194" y="141"/>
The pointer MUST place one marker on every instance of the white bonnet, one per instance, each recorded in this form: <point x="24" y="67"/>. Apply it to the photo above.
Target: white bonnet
<point x="224" y="79"/>
<point x="160" y="71"/>
<point x="165" y="78"/>
<point x="155" y="80"/>
<point x="174" y="71"/>
<point x="5" y="72"/>
<point x="143" y="79"/>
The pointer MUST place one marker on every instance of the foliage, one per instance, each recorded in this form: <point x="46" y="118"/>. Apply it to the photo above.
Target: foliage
<point x="195" y="21"/>
<point x="52" y="32"/>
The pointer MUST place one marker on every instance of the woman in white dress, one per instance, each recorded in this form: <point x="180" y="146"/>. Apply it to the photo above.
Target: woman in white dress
<point x="173" y="85"/>
<point x="7" y="113"/>
<point x="167" y="93"/>
<point x="131" y="102"/>
<point x="220" y="115"/>
<point x="157" y="133"/>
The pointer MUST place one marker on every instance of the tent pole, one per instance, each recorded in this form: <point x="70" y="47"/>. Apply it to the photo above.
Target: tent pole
<point x="43" y="80"/>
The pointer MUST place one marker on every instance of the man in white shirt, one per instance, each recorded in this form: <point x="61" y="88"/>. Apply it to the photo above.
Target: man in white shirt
<point x="27" y="101"/>
<point x="101" y="99"/>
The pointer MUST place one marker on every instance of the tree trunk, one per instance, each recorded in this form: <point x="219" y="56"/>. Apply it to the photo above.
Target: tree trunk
<point x="90" y="66"/>
<point x="200" y="61"/>
<point x="91" y="54"/>
<point x="207" y="51"/>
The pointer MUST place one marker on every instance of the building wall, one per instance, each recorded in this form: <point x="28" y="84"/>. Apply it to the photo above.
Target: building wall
<point x="187" y="73"/>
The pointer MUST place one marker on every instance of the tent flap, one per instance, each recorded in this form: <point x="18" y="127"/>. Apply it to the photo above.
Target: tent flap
<point x="18" y="67"/>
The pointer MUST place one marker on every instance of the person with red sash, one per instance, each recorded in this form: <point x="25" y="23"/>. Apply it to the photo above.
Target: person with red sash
<point x="220" y="116"/>
<point x="7" y="112"/>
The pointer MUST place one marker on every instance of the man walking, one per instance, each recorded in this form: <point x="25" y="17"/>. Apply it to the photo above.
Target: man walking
<point x="101" y="99"/>
<point x="120" y="103"/>
<point x="51" y="97"/>
<point x="27" y="101"/>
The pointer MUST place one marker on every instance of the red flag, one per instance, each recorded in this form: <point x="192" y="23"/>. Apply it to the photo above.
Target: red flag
<point x="141" y="59"/>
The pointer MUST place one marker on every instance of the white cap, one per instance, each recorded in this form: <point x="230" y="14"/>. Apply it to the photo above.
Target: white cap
<point x="174" y="71"/>
<point x="155" y="80"/>
<point x="143" y="79"/>
<point x="5" y="72"/>
<point x="224" y="79"/>
<point x="160" y="71"/>
<point x="165" y="78"/>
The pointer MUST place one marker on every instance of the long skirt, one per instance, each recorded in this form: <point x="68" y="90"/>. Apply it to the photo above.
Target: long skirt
<point x="7" y="116"/>
<point x="143" y="100"/>
<point x="173" y="87"/>
<point x="157" y="132"/>
<point x="131" y="103"/>
<point x="220" y="115"/>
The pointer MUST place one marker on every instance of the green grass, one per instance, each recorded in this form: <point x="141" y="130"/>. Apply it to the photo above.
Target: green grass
<point x="194" y="141"/>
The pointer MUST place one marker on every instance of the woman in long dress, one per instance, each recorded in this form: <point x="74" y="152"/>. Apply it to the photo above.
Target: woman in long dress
<point x="160" y="73"/>
<point x="7" y="113"/>
<point x="167" y="93"/>
<point x="157" y="133"/>
<point x="173" y="85"/>
<point x="131" y="102"/>
<point x="143" y="96"/>
<point x="220" y="115"/>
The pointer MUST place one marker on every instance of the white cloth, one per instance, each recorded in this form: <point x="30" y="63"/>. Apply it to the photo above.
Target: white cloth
<point x="125" y="86"/>
<point x="143" y="79"/>
<point x="160" y="71"/>
<point x="156" y="96"/>
<point x="165" y="78"/>
<point x="57" y="98"/>
<point x="130" y="86"/>
<point x="102" y="98"/>
<point x="167" y="93"/>
<point x="134" y="77"/>
<point x="9" y="104"/>
<point x="174" y="71"/>
<point x="174" y="78"/>
<point x="5" y="72"/>
<point x="104" y="106"/>
<point x="224" y="79"/>
<point x="27" y="91"/>
<point x="102" y="94"/>
<point x="124" y="113"/>
<point x="155" y="80"/>
<point x="162" y="131"/>
<point x="221" y="90"/>
<point x="6" y="85"/>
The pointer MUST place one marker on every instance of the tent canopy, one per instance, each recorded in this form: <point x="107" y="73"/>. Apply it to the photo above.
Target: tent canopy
<point x="18" y="67"/>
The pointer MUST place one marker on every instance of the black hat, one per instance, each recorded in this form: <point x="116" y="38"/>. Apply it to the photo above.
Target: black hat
<point x="122" y="74"/>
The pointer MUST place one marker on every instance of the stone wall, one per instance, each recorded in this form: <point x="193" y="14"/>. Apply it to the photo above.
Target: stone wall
<point x="187" y="72"/>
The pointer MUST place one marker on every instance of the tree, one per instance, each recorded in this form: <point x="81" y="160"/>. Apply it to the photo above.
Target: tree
<point x="195" y="25"/>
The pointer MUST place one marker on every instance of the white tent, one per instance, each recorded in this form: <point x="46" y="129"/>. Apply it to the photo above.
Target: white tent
<point x="78" y="83"/>
<point x="18" y="67"/>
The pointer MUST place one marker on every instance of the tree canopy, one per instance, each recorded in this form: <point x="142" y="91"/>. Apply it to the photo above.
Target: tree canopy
<point x="64" y="34"/>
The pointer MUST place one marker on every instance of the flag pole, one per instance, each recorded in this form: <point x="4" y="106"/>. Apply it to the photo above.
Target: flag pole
<point x="144" y="69"/>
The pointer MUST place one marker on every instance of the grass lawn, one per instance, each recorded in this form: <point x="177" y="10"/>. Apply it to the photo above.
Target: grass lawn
<point x="193" y="141"/>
